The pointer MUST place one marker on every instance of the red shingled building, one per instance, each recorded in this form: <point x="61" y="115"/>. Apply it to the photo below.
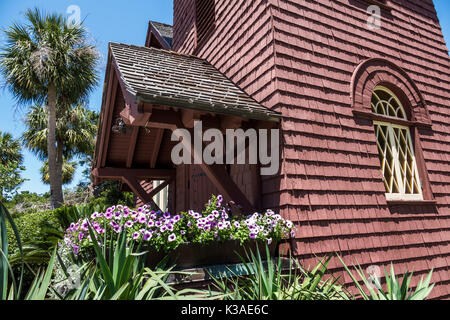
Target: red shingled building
<point x="364" y="115"/>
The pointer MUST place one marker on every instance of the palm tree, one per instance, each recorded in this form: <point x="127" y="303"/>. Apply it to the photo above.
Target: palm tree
<point x="76" y="129"/>
<point x="68" y="172"/>
<point x="10" y="163"/>
<point x="10" y="149"/>
<point x="49" y="62"/>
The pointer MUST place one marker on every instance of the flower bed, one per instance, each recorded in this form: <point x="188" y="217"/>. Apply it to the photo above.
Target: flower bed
<point x="164" y="232"/>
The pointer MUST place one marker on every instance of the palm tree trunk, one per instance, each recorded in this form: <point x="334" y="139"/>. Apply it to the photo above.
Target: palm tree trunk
<point x="56" y="191"/>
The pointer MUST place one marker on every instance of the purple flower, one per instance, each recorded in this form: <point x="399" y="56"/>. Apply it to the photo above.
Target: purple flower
<point x="172" y="237"/>
<point x="94" y="215"/>
<point x="129" y="224"/>
<point x="76" y="249"/>
<point x="169" y="227"/>
<point x="269" y="241"/>
<point x="211" y="217"/>
<point x="158" y="224"/>
<point x="292" y="234"/>
<point x="197" y="215"/>
<point x="136" y="235"/>
<point x="183" y="232"/>
<point x="80" y="236"/>
<point x="253" y="235"/>
<point x="166" y="215"/>
<point x="176" y="218"/>
<point x="142" y="219"/>
<point x="163" y="229"/>
<point x="147" y="236"/>
<point x="108" y="215"/>
<point x="237" y="224"/>
<point x="189" y="224"/>
<point x="151" y="223"/>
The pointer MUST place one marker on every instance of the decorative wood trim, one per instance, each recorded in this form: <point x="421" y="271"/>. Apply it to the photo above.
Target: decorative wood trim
<point x="367" y="114"/>
<point x="107" y="121"/>
<point x="132" y="147"/>
<point x="155" y="151"/>
<point x="118" y="173"/>
<point x="411" y="202"/>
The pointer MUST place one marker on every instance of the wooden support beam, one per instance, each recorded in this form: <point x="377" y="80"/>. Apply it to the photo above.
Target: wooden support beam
<point x="132" y="146"/>
<point x="142" y="174"/>
<point x="160" y="188"/>
<point x="216" y="173"/>
<point x="157" y="146"/>
<point x="134" y="184"/>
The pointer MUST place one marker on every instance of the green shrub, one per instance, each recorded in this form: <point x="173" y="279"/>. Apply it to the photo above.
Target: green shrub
<point x="265" y="279"/>
<point x="32" y="228"/>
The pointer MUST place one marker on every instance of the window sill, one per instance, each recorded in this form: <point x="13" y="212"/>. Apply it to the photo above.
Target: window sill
<point x="411" y="202"/>
<point x="368" y="114"/>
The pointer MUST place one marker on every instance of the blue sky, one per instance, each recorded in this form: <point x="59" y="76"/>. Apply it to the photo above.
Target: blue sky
<point x="115" y="21"/>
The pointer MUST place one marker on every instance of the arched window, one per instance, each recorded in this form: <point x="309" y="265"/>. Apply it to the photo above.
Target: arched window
<point x="396" y="151"/>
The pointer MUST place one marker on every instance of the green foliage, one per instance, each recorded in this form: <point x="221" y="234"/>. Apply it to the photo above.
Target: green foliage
<point x="109" y="193"/>
<point x="44" y="51"/>
<point x="120" y="274"/>
<point x="76" y="129"/>
<point x="396" y="290"/>
<point x="10" y="165"/>
<point x="34" y="229"/>
<point x="41" y="283"/>
<point x="265" y="280"/>
<point x="68" y="172"/>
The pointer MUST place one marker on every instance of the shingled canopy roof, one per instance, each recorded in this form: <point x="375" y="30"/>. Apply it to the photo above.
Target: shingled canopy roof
<point x="167" y="78"/>
<point x="164" y="30"/>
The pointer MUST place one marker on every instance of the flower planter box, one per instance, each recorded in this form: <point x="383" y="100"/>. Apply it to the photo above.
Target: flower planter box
<point x="191" y="255"/>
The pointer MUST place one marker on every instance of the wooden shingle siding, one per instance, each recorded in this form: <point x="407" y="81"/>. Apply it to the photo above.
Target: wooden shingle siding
<point x="298" y="58"/>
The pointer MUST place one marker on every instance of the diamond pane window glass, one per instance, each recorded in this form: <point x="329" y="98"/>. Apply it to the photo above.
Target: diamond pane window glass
<point x="395" y="148"/>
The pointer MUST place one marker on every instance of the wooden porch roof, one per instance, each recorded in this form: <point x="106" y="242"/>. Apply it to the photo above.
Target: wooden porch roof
<point x="148" y="93"/>
<point x="167" y="78"/>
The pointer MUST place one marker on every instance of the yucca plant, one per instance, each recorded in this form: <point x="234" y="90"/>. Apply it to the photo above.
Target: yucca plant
<point x="396" y="289"/>
<point x="265" y="280"/>
<point x="120" y="274"/>
<point x="41" y="284"/>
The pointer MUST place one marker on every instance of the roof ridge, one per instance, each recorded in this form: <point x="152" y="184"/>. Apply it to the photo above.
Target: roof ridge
<point x="157" y="49"/>
<point x="165" y="24"/>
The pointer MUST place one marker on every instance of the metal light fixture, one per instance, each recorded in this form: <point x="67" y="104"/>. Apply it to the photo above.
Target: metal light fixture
<point x="119" y="127"/>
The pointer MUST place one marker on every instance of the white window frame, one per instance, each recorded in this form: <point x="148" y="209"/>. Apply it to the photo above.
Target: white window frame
<point x="396" y="156"/>
<point x="162" y="198"/>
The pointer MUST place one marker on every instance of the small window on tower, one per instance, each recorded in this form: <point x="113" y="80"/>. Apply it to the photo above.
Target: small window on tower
<point x="205" y="18"/>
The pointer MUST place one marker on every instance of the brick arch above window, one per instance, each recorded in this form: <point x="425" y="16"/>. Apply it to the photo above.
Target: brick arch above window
<point x="381" y="72"/>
